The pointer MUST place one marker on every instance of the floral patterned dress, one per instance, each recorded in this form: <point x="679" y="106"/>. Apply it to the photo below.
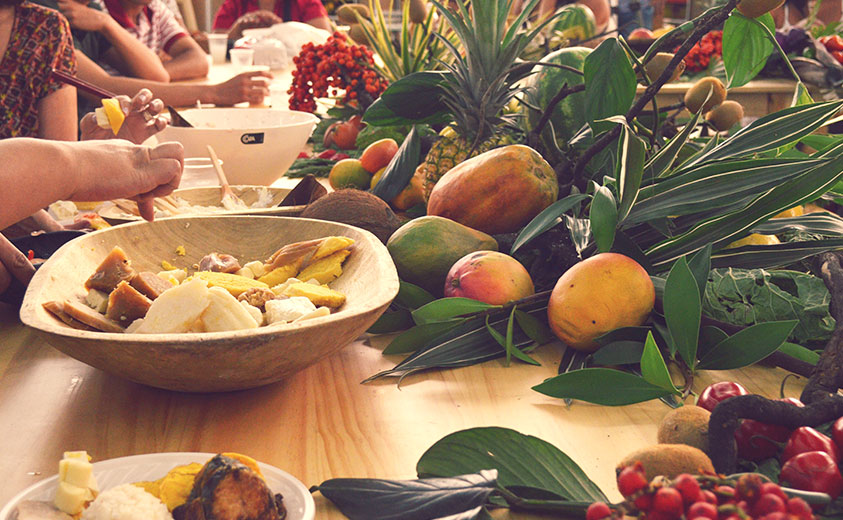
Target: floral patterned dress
<point x="40" y="41"/>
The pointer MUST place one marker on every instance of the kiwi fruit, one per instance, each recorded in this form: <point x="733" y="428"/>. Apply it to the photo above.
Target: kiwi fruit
<point x="356" y="33"/>
<point x="755" y="8"/>
<point x="695" y="98"/>
<point x="725" y="116"/>
<point x="345" y="13"/>
<point x="685" y="425"/>
<point x="669" y="460"/>
<point x="355" y="208"/>
<point x="658" y="63"/>
<point x="418" y="10"/>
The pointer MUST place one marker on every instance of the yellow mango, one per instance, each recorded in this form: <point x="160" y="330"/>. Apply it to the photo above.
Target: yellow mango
<point x="175" y="487"/>
<point x="232" y="283"/>
<point x="280" y="274"/>
<point x="325" y="270"/>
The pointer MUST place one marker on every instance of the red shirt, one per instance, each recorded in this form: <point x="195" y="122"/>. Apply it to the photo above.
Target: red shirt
<point x="300" y="11"/>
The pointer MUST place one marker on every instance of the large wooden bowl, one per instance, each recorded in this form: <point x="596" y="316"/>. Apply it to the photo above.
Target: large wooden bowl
<point x="220" y="361"/>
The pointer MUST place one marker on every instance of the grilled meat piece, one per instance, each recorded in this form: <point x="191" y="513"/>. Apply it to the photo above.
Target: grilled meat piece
<point x="219" y="263"/>
<point x="226" y="489"/>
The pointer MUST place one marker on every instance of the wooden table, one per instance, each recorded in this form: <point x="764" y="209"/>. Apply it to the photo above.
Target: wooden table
<point x="758" y="97"/>
<point x="319" y="424"/>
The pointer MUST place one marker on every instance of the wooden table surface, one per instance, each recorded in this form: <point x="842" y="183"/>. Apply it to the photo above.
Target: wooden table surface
<point x="319" y="424"/>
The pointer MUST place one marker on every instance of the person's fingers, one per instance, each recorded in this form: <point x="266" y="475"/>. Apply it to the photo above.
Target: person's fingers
<point x="146" y="208"/>
<point x="15" y="262"/>
<point x="155" y="107"/>
<point x="169" y="150"/>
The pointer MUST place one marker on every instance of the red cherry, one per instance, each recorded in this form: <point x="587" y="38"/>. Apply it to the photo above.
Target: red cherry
<point x="643" y="502"/>
<point x="771" y="488"/>
<point x="716" y="392"/>
<point x="709" y="496"/>
<point x="688" y="487"/>
<point x="767" y="504"/>
<point x="597" y="511"/>
<point x="800" y="508"/>
<point x="668" y="501"/>
<point x="702" y="510"/>
<point x="632" y="480"/>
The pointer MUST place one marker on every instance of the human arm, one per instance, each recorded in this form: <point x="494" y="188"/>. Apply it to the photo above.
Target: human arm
<point x="188" y="60"/>
<point x="57" y="117"/>
<point x="142" y="120"/>
<point x="320" y="22"/>
<point x="250" y="86"/>
<point x="127" y="54"/>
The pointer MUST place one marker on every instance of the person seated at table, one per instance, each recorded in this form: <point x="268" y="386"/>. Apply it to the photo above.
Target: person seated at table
<point x="155" y="25"/>
<point x="235" y="15"/>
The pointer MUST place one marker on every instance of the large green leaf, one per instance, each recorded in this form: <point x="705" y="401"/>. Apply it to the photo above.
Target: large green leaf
<point x="745" y="47"/>
<point x="521" y="461"/>
<point x="445" y="308"/>
<point x="601" y="386"/>
<point x="660" y="164"/>
<point x="683" y="310"/>
<point x="420" y="335"/>
<point x="629" y="169"/>
<point x="548" y="218"/>
<point x="748" y="346"/>
<point x="715" y="185"/>
<point x="653" y="367"/>
<point x="413" y="99"/>
<point x="771" y="132"/>
<point x="622" y="352"/>
<point x="799" y="352"/>
<point x="604" y="218"/>
<point x="778" y="255"/>
<point x="722" y="229"/>
<point x="400" y="169"/>
<point x="609" y="83"/>
<point x="825" y="224"/>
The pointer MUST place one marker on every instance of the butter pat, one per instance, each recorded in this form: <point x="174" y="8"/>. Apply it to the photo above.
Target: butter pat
<point x="76" y="472"/>
<point x="77" y="484"/>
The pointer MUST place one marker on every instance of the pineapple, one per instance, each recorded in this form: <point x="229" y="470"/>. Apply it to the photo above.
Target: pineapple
<point x="482" y="81"/>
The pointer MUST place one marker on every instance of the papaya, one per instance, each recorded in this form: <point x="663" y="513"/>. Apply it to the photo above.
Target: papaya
<point x="425" y="248"/>
<point x="498" y="191"/>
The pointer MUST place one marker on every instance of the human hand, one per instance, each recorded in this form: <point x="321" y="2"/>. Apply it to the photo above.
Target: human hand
<point x="250" y="86"/>
<point x="13" y="265"/>
<point x="137" y="127"/>
<point x="119" y="169"/>
<point x="253" y="20"/>
<point x="83" y="17"/>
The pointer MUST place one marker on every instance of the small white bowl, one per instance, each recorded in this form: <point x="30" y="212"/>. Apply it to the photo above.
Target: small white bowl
<point x="257" y="145"/>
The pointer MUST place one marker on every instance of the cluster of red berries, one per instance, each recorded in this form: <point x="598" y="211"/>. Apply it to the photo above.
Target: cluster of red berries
<point x="701" y="497"/>
<point x="700" y="55"/>
<point x="325" y="70"/>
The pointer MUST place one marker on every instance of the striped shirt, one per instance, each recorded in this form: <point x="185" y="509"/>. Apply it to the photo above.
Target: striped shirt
<point x="156" y="26"/>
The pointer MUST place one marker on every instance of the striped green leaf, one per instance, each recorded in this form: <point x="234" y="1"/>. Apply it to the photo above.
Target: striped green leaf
<point x="756" y="257"/>
<point x="772" y="131"/>
<point x="825" y="224"/>
<point x="548" y="218"/>
<point x="721" y="229"/>
<point x="629" y="169"/>
<point x="659" y="165"/>
<point x="715" y="185"/>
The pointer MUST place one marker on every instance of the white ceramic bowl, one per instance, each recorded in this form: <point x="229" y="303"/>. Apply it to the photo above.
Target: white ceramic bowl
<point x="256" y="145"/>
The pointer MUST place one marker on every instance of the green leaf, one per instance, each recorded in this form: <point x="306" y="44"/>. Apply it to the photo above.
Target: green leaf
<point x="400" y="169"/>
<point x="445" y="308"/>
<point x="799" y="352"/>
<point x="392" y="321"/>
<point x="419" y="336"/>
<point x="412" y="296"/>
<point x="629" y="169"/>
<point x="683" y="310"/>
<point x="536" y="329"/>
<point x="609" y="83"/>
<point x="801" y="95"/>
<point x="710" y="336"/>
<point x="521" y="461"/>
<point x="379" y="114"/>
<point x="825" y="224"/>
<point x="506" y="343"/>
<point x="603" y="217"/>
<point x="748" y="346"/>
<point x="745" y="47"/>
<point x="601" y="386"/>
<point x="548" y="218"/>
<point x="417" y="97"/>
<point x="623" y="352"/>
<point x="660" y="164"/>
<point x="653" y="367"/>
<point x="700" y="265"/>
<point x="776" y="255"/>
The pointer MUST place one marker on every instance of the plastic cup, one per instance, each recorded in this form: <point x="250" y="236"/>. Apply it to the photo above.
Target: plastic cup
<point x="218" y="45"/>
<point x="242" y="58"/>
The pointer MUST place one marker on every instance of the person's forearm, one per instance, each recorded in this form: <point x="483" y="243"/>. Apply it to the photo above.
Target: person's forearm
<point x="137" y="59"/>
<point x="189" y="64"/>
<point x="320" y="22"/>
<point x="34" y="175"/>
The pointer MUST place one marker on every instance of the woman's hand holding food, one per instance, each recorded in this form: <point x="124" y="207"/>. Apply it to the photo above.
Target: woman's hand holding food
<point x="143" y="119"/>
<point x="119" y="169"/>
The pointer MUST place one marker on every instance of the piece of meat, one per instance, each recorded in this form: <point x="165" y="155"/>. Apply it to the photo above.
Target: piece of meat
<point x="226" y="489"/>
<point x="257" y="296"/>
<point x="56" y="308"/>
<point x="150" y="284"/>
<point x="126" y="304"/>
<point x="90" y="317"/>
<point x="115" y="268"/>
<point x="219" y="263"/>
<point x="37" y="510"/>
<point x="293" y="252"/>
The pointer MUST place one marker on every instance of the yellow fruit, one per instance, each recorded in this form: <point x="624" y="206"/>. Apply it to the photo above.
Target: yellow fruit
<point x="754" y="239"/>
<point x="349" y="173"/>
<point x="410" y="196"/>
<point x="597" y="295"/>
<point x="661" y="31"/>
<point x="796" y="211"/>
<point x="325" y="270"/>
<point x="114" y="115"/>
<point x="695" y="97"/>
<point x="376" y="178"/>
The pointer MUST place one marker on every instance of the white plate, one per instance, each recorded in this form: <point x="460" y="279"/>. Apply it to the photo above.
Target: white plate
<point x="123" y="470"/>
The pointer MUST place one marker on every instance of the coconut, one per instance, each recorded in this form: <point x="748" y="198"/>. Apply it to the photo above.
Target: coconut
<point x="355" y="208"/>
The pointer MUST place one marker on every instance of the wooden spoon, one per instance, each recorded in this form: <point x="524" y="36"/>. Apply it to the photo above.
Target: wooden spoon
<point x="229" y="199"/>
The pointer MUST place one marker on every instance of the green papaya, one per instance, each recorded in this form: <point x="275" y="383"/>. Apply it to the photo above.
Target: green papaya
<point x="425" y="248"/>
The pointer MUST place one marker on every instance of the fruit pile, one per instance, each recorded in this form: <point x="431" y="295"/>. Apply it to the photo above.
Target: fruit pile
<point x="809" y="458"/>
<point x="324" y="70"/>
<point x="701" y="497"/>
<point x="834" y="45"/>
<point x="710" y="46"/>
